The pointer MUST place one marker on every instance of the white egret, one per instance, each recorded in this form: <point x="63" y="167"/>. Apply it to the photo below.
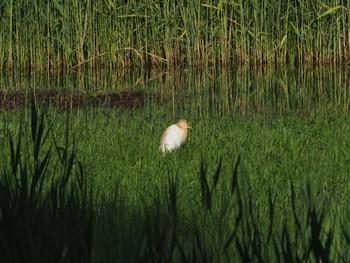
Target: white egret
<point x="174" y="136"/>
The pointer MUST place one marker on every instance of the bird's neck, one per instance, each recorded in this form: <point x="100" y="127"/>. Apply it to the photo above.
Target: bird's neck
<point x="184" y="134"/>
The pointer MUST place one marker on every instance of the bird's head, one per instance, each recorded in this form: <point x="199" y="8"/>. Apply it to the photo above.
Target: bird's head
<point x="183" y="124"/>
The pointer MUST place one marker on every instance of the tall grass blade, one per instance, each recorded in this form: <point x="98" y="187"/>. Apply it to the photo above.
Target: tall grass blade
<point x="206" y="194"/>
<point x="235" y="175"/>
<point x="294" y="209"/>
<point x="234" y="233"/>
<point x="216" y="175"/>
<point x="34" y="119"/>
<point x="316" y="222"/>
<point x="330" y="11"/>
<point x="15" y="156"/>
<point x="173" y="199"/>
<point x="271" y="216"/>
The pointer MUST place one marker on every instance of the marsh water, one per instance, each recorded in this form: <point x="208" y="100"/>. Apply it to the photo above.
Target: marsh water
<point x="187" y="92"/>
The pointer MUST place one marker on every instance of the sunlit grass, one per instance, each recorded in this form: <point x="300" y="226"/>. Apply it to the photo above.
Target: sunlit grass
<point x="240" y="181"/>
<point x="276" y="153"/>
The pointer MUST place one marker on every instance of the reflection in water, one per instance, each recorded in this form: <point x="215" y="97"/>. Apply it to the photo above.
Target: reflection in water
<point x="244" y="90"/>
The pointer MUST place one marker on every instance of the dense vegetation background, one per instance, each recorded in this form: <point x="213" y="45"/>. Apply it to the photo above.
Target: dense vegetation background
<point x="59" y="35"/>
<point x="262" y="178"/>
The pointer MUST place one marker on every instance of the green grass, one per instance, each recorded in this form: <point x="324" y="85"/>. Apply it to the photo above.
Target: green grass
<point x="56" y="36"/>
<point x="262" y="177"/>
<point x="244" y="187"/>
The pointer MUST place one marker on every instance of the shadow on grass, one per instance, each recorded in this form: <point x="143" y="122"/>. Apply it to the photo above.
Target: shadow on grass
<point x="47" y="214"/>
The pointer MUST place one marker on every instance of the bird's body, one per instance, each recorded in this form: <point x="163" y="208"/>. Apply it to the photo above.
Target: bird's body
<point x="174" y="136"/>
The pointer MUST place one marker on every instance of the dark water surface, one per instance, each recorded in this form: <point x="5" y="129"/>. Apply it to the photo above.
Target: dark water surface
<point x="263" y="90"/>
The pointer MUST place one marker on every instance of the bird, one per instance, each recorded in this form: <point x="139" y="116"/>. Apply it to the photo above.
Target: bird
<point x="174" y="136"/>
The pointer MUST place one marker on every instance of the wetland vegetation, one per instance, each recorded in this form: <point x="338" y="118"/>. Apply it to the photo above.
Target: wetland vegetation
<point x="88" y="88"/>
<point x="59" y="35"/>
<point x="263" y="175"/>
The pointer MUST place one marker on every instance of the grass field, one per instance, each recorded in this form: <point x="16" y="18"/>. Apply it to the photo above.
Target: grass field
<point x="58" y="35"/>
<point x="247" y="186"/>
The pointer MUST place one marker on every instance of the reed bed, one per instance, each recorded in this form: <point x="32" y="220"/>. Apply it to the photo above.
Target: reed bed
<point x="62" y="35"/>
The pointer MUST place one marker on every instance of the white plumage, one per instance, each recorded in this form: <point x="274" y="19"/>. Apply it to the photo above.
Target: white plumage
<point x="174" y="136"/>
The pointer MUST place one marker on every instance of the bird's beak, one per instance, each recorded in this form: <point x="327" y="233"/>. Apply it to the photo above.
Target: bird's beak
<point x="189" y="127"/>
